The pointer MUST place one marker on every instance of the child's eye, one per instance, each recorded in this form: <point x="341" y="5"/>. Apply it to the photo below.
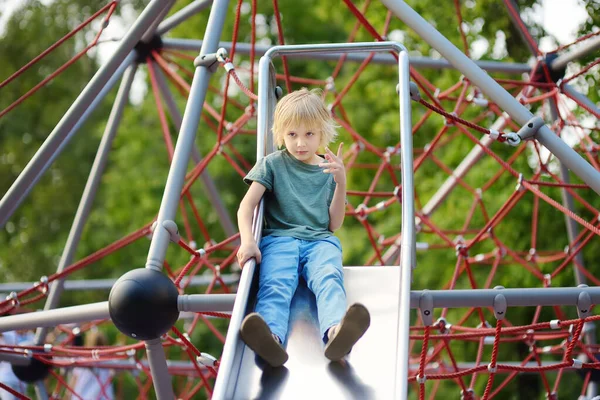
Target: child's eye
<point x="309" y="133"/>
<point x="292" y="134"/>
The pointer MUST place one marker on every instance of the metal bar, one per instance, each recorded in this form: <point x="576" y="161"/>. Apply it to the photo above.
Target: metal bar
<point x="161" y="379"/>
<point x="52" y="145"/>
<point x="209" y="184"/>
<point x="206" y="302"/>
<point x="185" y="141"/>
<point x="151" y="31"/>
<point x="107" y="284"/>
<point x="182" y="15"/>
<point x="494" y="91"/>
<point x="89" y="193"/>
<point x="40" y="390"/>
<point x="388" y="59"/>
<point x="583" y="50"/>
<point x="15" y="359"/>
<point x="514" y="297"/>
<point x="518" y="23"/>
<point x="67" y="315"/>
<point x="581" y="98"/>
<point x="408" y="252"/>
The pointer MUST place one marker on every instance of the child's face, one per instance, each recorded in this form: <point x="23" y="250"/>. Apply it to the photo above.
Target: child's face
<point x="302" y="142"/>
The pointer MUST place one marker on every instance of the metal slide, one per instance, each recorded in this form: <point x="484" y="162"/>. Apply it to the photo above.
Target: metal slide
<point x="377" y="367"/>
<point x="367" y="373"/>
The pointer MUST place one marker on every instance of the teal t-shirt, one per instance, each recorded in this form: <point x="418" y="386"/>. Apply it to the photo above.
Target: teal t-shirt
<point x="297" y="198"/>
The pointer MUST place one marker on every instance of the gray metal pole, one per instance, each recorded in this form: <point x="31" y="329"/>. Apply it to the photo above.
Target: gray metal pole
<point x="40" y="390"/>
<point x="493" y="90"/>
<point x="15" y="359"/>
<point x="107" y="284"/>
<point x="581" y="98"/>
<point x="161" y="379"/>
<point x="151" y="31"/>
<point x="408" y="252"/>
<point x="89" y="193"/>
<point x="211" y="190"/>
<point x="40" y="162"/>
<point x="206" y="302"/>
<point x="182" y="15"/>
<point x="583" y="50"/>
<point x="67" y="315"/>
<point x="185" y="141"/>
<point x="417" y="62"/>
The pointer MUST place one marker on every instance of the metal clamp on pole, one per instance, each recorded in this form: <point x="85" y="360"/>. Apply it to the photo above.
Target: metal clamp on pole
<point x="584" y="303"/>
<point x="500" y="305"/>
<point x="530" y="129"/>
<point x="426" y="307"/>
<point x="211" y="61"/>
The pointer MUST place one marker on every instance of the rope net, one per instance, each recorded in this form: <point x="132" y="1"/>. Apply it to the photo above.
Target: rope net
<point x="495" y="217"/>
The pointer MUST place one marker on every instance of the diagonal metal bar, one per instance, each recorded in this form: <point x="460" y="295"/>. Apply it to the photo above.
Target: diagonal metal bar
<point x="58" y="137"/>
<point x="583" y="50"/>
<point x="151" y="31"/>
<point x="209" y="184"/>
<point x="182" y="15"/>
<point x="89" y="193"/>
<point x="185" y="141"/>
<point x="494" y="91"/>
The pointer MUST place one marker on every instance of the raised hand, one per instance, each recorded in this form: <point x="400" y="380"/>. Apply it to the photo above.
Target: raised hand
<point x="335" y="165"/>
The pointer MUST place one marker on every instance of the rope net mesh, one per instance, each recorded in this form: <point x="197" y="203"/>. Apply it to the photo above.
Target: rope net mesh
<point x="483" y="220"/>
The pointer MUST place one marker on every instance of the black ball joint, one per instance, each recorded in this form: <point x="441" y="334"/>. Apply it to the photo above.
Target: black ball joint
<point x="143" y="304"/>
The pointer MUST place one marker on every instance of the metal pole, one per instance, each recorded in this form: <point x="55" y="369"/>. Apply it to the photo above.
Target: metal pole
<point x="40" y="162"/>
<point x="493" y="90"/>
<point x="151" y="31"/>
<point x="583" y="50"/>
<point x="107" y="284"/>
<point x="67" y="315"/>
<point x="89" y="193"/>
<point x="582" y="99"/>
<point x="185" y="141"/>
<point x="15" y="359"/>
<point x="206" y="302"/>
<point x="40" y="390"/>
<point x="161" y="378"/>
<point x="417" y="62"/>
<point x="514" y="297"/>
<point x="408" y="252"/>
<point x="211" y="190"/>
<point x="181" y="15"/>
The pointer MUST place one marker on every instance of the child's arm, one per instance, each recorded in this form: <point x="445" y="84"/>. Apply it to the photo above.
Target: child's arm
<point x="248" y="247"/>
<point x="335" y="166"/>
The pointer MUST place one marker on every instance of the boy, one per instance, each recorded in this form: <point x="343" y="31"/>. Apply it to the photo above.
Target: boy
<point x="305" y="198"/>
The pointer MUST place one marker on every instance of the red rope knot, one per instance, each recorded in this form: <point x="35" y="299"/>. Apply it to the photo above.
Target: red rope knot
<point x="451" y="119"/>
<point x="492" y="368"/>
<point x="468" y="394"/>
<point x="552" y="396"/>
<point x="547" y="280"/>
<point x="462" y="250"/>
<point x="13" y="297"/>
<point x="421" y="379"/>
<point x="532" y="255"/>
<point x="576" y="363"/>
<point x="42" y="285"/>
<point x="361" y="212"/>
<point x="443" y="326"/>
<point x="529" y="338"/>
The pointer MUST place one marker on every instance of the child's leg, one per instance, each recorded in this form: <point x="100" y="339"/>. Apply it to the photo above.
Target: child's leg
<point x="340" y="329"/>
<point x="278" y="280"/>
<point x="321" y="266"/>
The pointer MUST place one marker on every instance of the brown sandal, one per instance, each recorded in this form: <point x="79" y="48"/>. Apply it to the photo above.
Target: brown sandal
<point x="353" y="326"/>
<point x="256" y="334"/>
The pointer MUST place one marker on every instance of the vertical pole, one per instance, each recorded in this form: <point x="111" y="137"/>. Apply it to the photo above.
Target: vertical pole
<point x="181" y="15"/>
<point x="159" y="370"/>
<point x="211" y="190"/>
<point x="408" y="251"/>
<point x="55" y="142"/>
<point x="493" y="90"/>
<point x="89" y="192"/>
<point x="185" y="141"/>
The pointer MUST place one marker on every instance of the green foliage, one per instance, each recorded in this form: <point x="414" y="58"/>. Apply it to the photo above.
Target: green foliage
<point x="132" y="185"/>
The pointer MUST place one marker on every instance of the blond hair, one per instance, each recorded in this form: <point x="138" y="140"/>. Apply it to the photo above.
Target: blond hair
<point x="303" y="107"/>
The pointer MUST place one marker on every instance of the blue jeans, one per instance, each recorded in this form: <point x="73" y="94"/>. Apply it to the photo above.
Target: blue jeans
<point x="284" y="260"/>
